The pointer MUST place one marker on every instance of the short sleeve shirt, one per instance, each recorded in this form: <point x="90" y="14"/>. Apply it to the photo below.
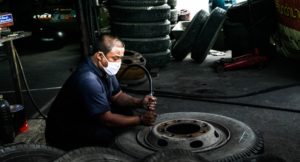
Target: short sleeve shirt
<point x="84" y="96"/>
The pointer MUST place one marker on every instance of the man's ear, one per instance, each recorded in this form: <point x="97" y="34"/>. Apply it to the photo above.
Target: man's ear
<point x="99" y="55"/>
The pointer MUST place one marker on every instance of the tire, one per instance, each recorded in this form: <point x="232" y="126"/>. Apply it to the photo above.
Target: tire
<point x="147" y="45"/>
<point x="133" y="73"/>
<point x="140" y="30"/>
<point x="233" y="150"/>
<point x="138" y="2"/>
<point x="139" y="14"/>
<point x="171" y="155"/>
<point x="208" y="35"/>
<point x="94" y="154"/>
<point x="133" y="82"/>
<point x="158" y="59"/>
<point x="184" y="44"/>
<point x="172" y="3"/>
<point x="264" y="158"/>
<point x="173" y="16"/>
<point x="29" y="152"/>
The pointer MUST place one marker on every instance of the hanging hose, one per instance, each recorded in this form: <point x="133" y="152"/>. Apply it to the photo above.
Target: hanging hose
<point x="147" y="74"/>
<point x="26" y="84"/>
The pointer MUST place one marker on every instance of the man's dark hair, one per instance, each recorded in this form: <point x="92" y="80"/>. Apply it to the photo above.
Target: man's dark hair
<point x="106" y="42"/>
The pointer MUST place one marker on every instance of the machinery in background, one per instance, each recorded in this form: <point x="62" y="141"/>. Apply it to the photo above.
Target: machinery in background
<point x="246" y="60"/>
<point x="6" y="20"/>
<point x="247" y="30"/>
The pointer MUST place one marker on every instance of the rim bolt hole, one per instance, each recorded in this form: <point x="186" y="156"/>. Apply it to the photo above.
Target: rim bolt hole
<point x="162" y="142"/>
<point x="196" y="144"/>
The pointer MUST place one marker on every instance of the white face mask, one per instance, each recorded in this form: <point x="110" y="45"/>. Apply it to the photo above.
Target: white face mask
<point x="112" y="67"/>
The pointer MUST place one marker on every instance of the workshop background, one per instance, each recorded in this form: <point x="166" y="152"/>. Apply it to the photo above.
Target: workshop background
<point x="247" y="68"/>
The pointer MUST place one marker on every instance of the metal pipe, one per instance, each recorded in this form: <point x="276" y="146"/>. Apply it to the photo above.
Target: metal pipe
<point x="15" y="72"/>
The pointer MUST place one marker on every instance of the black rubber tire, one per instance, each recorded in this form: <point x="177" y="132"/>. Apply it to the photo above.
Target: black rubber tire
<point x="133" y="82"/>
<point x="138" y="2"/>
<point x="158" y="59"/>
<point x="184" y="43"/>
<point x="264" y="158"/>
<point x="233" y="150"/>
<point x="172" y="3"/>
<point x="140" y="30"/>
<point x="94" y="154"/>
<point x="147" y="45"/>
<point x="174" y="155"/>
<point x="133" y="73"/>
<point x="173" y="16"/>
<point x="208" y="35"/>
<point x="29" y="153"/>
<point x="139" y="14"/>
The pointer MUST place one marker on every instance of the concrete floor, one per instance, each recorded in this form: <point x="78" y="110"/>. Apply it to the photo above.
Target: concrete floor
<point x="274" y="113"/>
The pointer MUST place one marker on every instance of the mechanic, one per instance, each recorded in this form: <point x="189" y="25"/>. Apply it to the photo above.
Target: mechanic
<point x="91" y="109"/>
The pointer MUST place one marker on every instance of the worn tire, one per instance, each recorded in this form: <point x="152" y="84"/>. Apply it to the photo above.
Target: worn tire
<point x="174" y="155"/>
<point x="147" y="45"/>
<point x="95" y="154"/>
<point x="141" y="30"/>
<point x="264" y="158"/>
<point x="138" y="2"/>
<point x="233" y="150"/>
<point x="172" y="3"/>
<point x="133" y="73"/>
<point x="158" y="59"/>
<point x="183" y="45"/>
<point x="208" y="35"/>
<point x="173" y="16"/>
<point x="29" y="152"/>
<point x="139" y="14"/>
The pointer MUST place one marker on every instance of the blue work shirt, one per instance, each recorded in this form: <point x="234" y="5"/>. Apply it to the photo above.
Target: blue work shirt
<point x="84" y="96"/>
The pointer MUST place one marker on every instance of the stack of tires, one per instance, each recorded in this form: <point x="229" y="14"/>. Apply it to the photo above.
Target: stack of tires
<point x="144" y="27"/>
<point x="173" y="12"/>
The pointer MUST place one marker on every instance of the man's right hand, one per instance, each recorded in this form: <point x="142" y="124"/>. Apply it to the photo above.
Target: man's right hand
<point x="148" y="118"/>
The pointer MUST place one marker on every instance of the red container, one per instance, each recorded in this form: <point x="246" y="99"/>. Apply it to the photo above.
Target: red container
<point x="19" y="118"/>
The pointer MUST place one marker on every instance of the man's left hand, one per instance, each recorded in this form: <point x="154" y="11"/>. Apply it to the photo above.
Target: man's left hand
<point x="150" y="102"/>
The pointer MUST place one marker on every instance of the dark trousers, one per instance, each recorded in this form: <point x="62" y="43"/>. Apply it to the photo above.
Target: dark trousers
<point x="81" y="135"/>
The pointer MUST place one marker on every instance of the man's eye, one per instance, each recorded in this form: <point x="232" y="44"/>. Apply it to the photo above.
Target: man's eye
<point x="117" y="58"/>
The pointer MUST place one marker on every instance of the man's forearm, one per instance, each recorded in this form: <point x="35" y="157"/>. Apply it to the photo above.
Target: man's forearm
<point x="123" y="99"/>
<point x="118" y="120"/>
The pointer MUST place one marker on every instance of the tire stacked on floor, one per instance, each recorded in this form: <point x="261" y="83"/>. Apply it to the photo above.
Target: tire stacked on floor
<point x="173" y="12"/>
<point x="200" y="35"/>
<point x="131" y="75"/>
<point x="29" y="153"/>
<point x="144" y="27"/>
<point x="94" y="153"/>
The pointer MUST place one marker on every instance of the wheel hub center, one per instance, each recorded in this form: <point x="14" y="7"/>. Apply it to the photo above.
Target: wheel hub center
<point x="192" y="134"/>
